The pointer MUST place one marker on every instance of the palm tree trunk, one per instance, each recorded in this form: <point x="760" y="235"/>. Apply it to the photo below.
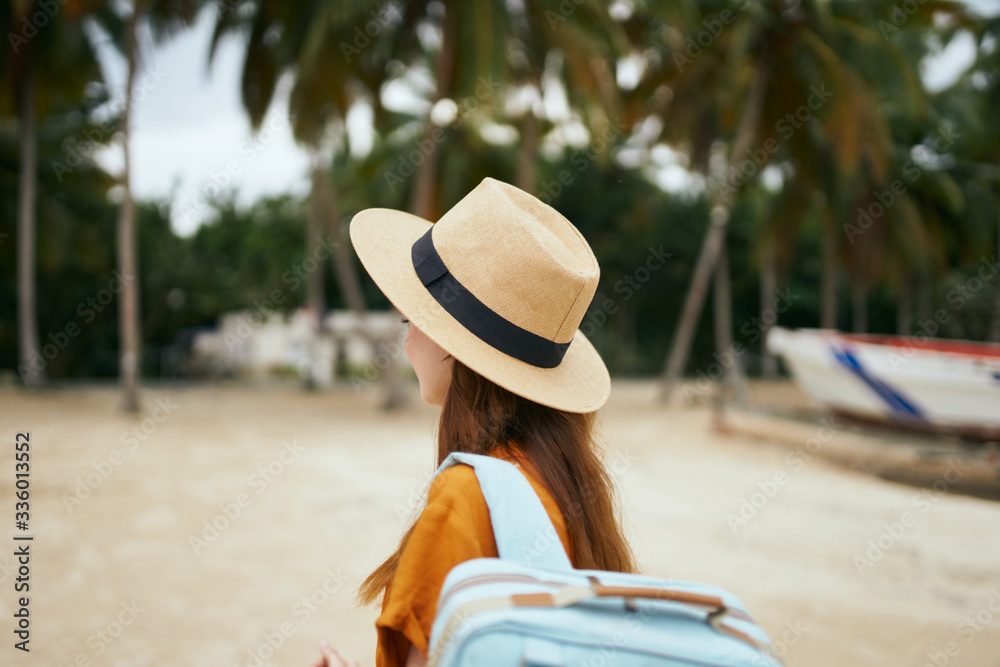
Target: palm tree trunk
<point x="768" y="287"/>
<point x="995" y="327"/>
<point x="925" y="297"/>
<point x="422" y="201"/>
<point x="316" y="230"/>
<point x="128" y="261"/>
<point x="724" y="325"/>
<point x="32" y="365"/>
<point x="325" y="200"/>
<point x="994" y="335"/>
<point x="714" y="239"/>
<point x="422" y="197"/>
<point x="904" y="306"/>
<point x="828" y="314"/>
<point x="527" y="162"/>
<point x="343" y="267"/>
<point x="315" y="281"/>
<point x="625" y="334"/>
<point x="859" y="305"/>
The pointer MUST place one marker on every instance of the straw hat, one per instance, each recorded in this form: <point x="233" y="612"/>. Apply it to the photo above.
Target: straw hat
<point x="502" y="282"/>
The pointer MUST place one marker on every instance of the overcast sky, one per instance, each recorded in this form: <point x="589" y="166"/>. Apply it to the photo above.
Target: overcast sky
<point x="189" y="126"/>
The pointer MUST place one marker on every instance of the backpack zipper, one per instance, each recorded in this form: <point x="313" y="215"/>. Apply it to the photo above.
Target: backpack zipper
<point x="500" y="578"/>
<point x="492" y="578"/>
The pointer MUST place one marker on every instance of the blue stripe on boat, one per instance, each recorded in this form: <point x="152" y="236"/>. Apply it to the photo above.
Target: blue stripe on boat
<point x="899" y="405"/>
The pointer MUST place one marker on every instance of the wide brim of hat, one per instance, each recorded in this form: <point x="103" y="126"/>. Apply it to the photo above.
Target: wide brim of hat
<point x="383" y="238"/>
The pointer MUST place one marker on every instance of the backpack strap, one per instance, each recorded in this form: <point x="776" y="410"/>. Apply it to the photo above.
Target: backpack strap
<point x="521" y="525"/>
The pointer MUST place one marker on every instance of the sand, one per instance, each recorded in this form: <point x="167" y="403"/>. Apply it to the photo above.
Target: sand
<point x="309" y="492"/>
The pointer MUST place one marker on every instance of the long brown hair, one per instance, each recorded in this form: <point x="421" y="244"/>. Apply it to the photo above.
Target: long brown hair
<point x="479" y="416"/>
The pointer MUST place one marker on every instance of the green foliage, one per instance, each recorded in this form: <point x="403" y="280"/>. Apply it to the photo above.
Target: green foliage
<point x="240" y="259"/>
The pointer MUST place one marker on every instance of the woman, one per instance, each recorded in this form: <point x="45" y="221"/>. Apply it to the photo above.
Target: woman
<point x="494" y="293"/>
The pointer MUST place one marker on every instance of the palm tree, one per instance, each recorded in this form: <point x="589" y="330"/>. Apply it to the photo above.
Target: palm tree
<point x="27" y="316"/>
<point x="779" y="82"/>
<point x="333" y="69"/>
<point x="164" y="18"/>
<point x="509" y="44"/>
<point x="693" y="98"/>
<point x="922" y="204"/>
<point x="970" y="103"/>
<point x="130" y="359"/>
<point x="589" y="43"/>
<point x="48" y="65"/>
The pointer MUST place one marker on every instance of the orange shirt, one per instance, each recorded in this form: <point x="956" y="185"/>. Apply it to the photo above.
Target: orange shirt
<point x="454" y="527"/>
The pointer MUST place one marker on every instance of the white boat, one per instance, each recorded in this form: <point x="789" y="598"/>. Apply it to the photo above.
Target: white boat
<point x="928" y="384"/>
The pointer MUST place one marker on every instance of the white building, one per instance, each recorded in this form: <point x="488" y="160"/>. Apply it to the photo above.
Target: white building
<point x="253" y="344"/>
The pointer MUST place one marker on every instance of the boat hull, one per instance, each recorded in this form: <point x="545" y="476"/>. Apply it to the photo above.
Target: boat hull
<point x="923" y="384"/>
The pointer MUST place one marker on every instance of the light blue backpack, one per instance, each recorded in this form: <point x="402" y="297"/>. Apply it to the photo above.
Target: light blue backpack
<point x="530" y="607"/>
